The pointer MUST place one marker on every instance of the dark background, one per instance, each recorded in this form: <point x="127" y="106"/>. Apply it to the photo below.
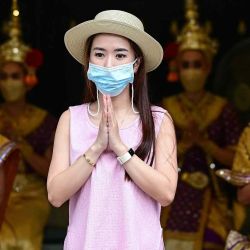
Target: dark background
<point x="44" y="23"/>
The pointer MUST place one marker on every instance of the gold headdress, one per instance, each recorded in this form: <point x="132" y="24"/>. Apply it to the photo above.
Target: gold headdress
<point x="15" y="50"/>
<point x="193" y="36"/>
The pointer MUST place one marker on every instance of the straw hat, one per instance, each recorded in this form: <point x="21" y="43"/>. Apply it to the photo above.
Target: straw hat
<point x="115" y="22"/>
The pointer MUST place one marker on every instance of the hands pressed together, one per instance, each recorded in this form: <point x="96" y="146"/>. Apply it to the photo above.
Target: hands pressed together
<point x="108" y="137"/>
<point x="194" y="136"/>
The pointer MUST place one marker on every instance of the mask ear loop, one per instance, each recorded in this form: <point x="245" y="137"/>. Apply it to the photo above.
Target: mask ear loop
<point x="132" y="100"/>
<point x="98" y="105"/>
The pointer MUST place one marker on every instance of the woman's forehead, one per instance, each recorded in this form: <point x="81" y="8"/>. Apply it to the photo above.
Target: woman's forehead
<point x="106" y="39"/>
<point x="11" y="66"/>
<point x="191" y="54"/>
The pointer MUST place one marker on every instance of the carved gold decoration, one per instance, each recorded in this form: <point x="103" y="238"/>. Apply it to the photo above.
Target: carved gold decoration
<point x="196" y="179"/>
<point x="193" y="36"/>
<point x="14" y="49"/>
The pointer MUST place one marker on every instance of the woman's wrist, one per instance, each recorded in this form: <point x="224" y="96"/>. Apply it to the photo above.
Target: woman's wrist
<point x="96" y="148"/>
<point x="92" y="154"/>
<point x="120" y="149"/>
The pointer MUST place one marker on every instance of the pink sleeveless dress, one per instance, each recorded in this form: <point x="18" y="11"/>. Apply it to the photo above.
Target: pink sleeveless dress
<point x="109" y="213"/>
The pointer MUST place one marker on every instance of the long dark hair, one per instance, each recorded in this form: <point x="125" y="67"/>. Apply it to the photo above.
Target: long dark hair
<point x="146" y="149"/>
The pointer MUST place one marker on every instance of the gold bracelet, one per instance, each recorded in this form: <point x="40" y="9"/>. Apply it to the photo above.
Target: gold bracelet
<point x="88" y="160"/>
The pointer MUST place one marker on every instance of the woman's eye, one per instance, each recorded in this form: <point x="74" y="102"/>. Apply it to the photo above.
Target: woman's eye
<point x="120" y="56"/>
<point x="197" y="64"/>
<point x="185" y="65"/>
<point x="99" y="54"/>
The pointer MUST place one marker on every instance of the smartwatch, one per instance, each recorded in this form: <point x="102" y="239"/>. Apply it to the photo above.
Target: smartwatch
<point x="124" y="158"/>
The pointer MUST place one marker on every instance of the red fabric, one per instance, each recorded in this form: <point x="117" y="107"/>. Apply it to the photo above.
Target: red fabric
<point x="34" y="58"/>
<point x="170" y="50"/>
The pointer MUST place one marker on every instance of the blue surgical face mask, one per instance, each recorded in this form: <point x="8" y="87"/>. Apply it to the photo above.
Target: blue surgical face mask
<point x="111" y="81"/>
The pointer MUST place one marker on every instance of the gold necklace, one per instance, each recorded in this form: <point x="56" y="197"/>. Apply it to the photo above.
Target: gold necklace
<point x="197" y="112"/>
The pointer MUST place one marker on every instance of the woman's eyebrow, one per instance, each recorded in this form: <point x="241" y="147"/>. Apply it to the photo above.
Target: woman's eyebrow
<point x="116" y="50"/>
<point x="98" y="48"/>
<point x="121" y="49"/>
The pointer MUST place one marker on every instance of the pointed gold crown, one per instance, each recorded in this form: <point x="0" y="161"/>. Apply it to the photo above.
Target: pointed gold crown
<point x="14" y="49"/>
<point x="193" y="36"/>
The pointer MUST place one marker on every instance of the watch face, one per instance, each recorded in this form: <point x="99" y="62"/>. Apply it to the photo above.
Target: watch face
<point x="131" y="152"/>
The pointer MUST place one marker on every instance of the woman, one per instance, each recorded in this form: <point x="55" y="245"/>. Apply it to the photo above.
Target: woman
<point x="32" y="128"/>
<point x="238" y="238"/>
<point x="114" y="156"/>
<point x="207" y="129"/>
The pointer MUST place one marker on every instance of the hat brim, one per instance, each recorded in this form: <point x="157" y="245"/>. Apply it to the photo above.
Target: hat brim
<point x="76" y="37"/>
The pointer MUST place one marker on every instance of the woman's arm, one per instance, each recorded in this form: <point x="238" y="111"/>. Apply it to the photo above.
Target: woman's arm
<point x="223" y="155"/>
<point x="243" y="195"/>
<point x="159" y="182"/>
<point x="65" y="180"/>
<point x="40" y="163"/>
